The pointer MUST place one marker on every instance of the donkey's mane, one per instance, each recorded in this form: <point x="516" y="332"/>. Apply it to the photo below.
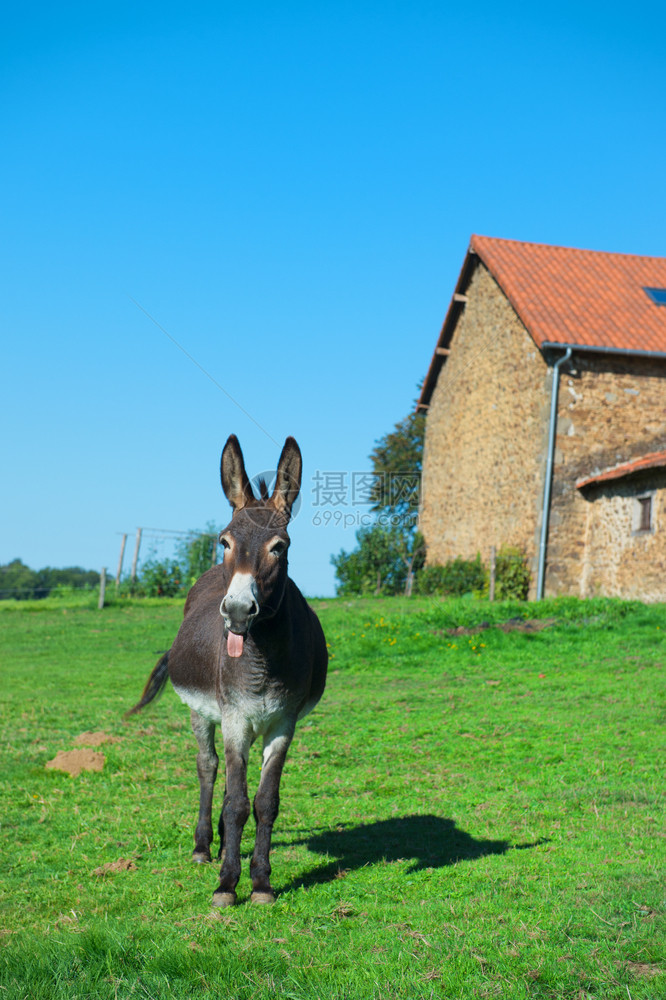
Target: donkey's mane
<point x="263" y="489"/>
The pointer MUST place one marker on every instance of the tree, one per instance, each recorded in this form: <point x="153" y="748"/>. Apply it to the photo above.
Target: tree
<point x="376" y="564"/>
<point x="391" y="550"/>
<point x="195" y="554"/>
<point x="19" y="582"/>
<point x="397" y="460"/>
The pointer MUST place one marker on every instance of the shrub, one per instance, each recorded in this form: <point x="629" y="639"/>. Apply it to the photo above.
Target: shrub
<point x="512" y="576"/>
<point x="456" y="577"/>
<point x="161" y="578"/>
<point x="371" y="567"/>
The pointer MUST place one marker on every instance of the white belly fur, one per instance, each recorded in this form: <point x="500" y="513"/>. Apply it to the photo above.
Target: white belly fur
<point x="204" y="704"/>
<point x="257" y="713"/>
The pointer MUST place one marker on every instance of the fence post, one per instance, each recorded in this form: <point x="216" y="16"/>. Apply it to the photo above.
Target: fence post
<point x="120" y="559"/>
<point x="493" y="568"/>
<point x="136" y="553"/>
<point x="102" y="588"/>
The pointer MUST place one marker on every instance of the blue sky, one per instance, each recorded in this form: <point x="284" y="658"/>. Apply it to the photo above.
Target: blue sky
<point x="288" y="191"/>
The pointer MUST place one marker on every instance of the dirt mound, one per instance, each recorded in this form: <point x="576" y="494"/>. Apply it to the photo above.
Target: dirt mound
<point x="529" y="625"/>
<point x="512" y="625"/>
<point x="75" y="761"/>
<point x="113" y="867"/>
<point x="94" y="739"/>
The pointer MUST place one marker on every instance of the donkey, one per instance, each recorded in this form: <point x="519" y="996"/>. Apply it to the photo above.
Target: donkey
<point x="250" y="654"/>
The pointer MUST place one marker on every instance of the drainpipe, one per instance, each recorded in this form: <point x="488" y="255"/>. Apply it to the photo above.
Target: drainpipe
<point x="547" y="488"/>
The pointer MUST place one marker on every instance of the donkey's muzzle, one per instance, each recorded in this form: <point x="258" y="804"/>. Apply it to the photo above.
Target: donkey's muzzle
<point x="240" y="605"/>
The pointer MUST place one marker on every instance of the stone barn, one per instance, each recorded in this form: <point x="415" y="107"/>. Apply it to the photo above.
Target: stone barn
<point x="545" y="407"/>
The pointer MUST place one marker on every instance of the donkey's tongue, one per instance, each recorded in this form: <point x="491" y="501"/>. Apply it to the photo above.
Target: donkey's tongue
<point x="234" y="644"/>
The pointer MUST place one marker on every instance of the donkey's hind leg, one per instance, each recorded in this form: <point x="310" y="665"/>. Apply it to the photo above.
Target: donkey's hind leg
<point x="207" y="761"/>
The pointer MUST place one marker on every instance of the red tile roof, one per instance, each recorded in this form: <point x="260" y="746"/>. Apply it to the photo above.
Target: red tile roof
<point x="588" y="298"/>
<point x="585" y="297"/>
<point x="655" y="460"/>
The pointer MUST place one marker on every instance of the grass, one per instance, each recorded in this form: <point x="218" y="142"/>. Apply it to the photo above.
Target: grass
<point x="469" y="815"/>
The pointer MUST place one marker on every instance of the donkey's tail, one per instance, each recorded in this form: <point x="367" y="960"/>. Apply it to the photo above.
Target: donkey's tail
<point x="155" y="684"/>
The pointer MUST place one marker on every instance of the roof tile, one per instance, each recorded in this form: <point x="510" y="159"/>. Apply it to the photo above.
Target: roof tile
<point x="655" y="460"/>
<point x="586" y="297"/>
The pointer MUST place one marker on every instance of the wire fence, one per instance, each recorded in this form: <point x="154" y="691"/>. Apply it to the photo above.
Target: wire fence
<point x="39" y="593"/>
<point x="151" y="545"/>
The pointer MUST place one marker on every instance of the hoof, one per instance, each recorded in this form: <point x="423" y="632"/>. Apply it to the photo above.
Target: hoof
<point x="262" y="897"/>
<point x="201" y="857"/>
<point x="222" y="899"/>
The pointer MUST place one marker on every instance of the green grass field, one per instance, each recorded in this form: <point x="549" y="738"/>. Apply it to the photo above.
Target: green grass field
<point x="468" y="815"/>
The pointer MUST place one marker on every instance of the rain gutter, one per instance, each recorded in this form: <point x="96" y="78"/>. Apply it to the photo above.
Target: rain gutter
<point x="548" y="484"/>
<point x="625" y="352"/>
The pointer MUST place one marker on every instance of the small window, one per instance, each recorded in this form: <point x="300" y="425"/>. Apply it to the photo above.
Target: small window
<point x="658" y="295"/>
<point x="643" y="519"/>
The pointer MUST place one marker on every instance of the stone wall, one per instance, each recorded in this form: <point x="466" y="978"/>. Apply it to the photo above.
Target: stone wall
<point x="621" y="560"/>
<point x="486" y="434"/>
<point x="610" y="410"/>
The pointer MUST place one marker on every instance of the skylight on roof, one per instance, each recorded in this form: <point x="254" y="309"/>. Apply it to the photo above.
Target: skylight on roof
<point x="658" y="295"/>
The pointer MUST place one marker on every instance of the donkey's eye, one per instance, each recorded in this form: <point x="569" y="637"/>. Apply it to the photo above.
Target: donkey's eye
<point x="225" y="543"/>
<point x="277" y="548"/>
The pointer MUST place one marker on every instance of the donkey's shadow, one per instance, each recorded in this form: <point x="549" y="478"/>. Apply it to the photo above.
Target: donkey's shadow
<point x="426" y="841"/>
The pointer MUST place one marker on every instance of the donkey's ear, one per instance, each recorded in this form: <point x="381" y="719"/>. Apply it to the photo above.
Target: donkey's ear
<point x="288" y="482"/>
<point x="235" y="483"/>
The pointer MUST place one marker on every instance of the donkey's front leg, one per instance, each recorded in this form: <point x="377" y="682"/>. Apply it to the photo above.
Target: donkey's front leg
<point x="266" y="806"/>
<point x="235" y="812"/>
<point x="207" y="761"/>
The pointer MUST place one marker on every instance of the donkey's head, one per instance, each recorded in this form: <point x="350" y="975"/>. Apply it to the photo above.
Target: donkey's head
<point x="255" y="541"/>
